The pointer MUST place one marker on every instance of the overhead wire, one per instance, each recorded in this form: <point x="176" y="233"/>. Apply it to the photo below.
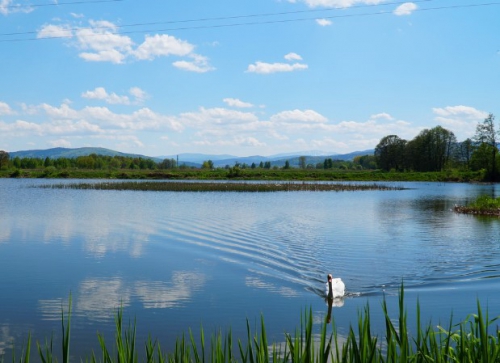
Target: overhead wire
<point x="263" y="22"/>
<point x="309" y="11"/>
<point x="29" y="6"/>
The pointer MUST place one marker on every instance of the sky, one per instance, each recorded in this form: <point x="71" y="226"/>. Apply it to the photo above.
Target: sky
<point x="247" y="77"/>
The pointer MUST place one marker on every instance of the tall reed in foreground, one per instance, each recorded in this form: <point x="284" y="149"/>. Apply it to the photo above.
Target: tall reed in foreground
<point x="467" y="341"/>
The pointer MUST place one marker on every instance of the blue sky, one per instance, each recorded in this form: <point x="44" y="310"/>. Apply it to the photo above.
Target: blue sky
<point x="245" y="78"/>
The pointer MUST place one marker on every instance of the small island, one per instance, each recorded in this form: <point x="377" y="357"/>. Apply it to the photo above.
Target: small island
<point x="483" y="205"/>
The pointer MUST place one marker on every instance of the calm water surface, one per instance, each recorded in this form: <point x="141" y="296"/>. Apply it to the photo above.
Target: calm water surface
<point x="176" y="261"/>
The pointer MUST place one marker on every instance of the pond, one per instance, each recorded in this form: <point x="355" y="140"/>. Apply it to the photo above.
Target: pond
<point x="174" y="260"/>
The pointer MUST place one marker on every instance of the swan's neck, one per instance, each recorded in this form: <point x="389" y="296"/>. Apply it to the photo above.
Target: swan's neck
<point x="330" y="289"/>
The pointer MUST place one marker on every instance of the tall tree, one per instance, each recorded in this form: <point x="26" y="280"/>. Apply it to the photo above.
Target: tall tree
<point x="464" y="152"/>
<point x="4" y="158"/>
<point x="302" y="162"/>
<point x="486" y="134"/>
<point x="431" y="149"/>
<point x="389" y="153"/>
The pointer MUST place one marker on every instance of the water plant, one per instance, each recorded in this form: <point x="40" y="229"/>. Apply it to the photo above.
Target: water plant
<point x="467" y="341"/>
<point x="222" y="186"/>
<point x="483" y="205"/>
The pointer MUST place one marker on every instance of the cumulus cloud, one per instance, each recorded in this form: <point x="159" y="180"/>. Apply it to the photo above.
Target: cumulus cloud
<point x="102" y="42"/>
<point x="339" y="3"/>
<point x="267" y="68"/>
<point x="139" y="94"/>
<point x="234" y="102"/>
<point x="60" y="143"/>
<point x="217" y="116"/>
<point x="99" y="93"/>
<point x="162" y="45"/>
<point x="54" y="31"/>
<point x="405" y="9"/>
<point x="5" y="109"/>
<point x="292" y="56"/>
<point x="298" y="116"/>
<point x="324" y="22"/>
<point x="462" y="120"/>
<point x="199" y="64"/>
<point x="383" y="115"/>
<point x="9" y="6"/>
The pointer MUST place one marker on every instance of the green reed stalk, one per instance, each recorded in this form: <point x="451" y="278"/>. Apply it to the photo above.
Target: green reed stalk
<point x="468" y="341"/>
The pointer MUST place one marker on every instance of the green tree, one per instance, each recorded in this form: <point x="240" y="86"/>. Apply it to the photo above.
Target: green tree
<point x="287" y="165"/>
<point x="431" y="149"/>
<point x="4" y="158"/>
<point x="302" y="162"/>
<point x="486" y="134"/>
<point x="464" y="152"/>
<point x="167" y="164"/>
<point x="208" y="164"/>
<point x="389" y="153"/>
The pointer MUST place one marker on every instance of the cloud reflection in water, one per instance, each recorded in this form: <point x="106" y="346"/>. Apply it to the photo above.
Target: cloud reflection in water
<point x="99" y="298"/>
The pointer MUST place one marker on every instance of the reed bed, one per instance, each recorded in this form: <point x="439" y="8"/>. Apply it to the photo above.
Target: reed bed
<point x="483" y="205"/>
<point x="467" y="341"/>
<point x="222" y="186"/>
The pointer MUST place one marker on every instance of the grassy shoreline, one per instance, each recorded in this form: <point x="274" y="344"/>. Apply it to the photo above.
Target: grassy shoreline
<point x="482" y="206"/>
<point x="246" y="174"/>
<point x="467" y="341"/>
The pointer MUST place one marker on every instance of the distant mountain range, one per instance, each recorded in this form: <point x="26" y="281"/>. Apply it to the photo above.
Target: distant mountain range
<point x="192" y="159"/>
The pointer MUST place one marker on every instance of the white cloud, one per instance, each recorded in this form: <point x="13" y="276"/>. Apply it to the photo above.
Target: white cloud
<point x="293" y="56"/>
<point x="268" y="68"/>
<point x="101" y="42"/>
<point x="405" y="9"/>
<point x="234" y="102"/>
<point x="55" y="31"/>
<point x="339" y="3"/>
<point x="5" y="109"/>
<point x="324" y="22"/>
<point x="199" y="64"/>
<point x="382" y="115"/>
<point x="461" y="111"/>
<point x="232" y="142"/>
<point x="100" y="94"/>
<point x="162" y="45"/>
<point x="139" y="94"/>
<point x="8" y="7"/>
<point x="217" y="116"/>
<point x="462" y="120"/>
<point x="60" y="143"/>
<point x="306" y="116"/>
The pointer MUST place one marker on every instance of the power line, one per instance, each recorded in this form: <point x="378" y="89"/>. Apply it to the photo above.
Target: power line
<point x="226" y="17"/>
<point x="449" y="7"/>
<point x="29" y="6"/>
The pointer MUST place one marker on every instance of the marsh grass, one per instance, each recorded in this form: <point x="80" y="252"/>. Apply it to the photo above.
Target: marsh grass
<point x="467" y="341"/>
<point x="483" y="205"/>
<point x="222" y="186"/>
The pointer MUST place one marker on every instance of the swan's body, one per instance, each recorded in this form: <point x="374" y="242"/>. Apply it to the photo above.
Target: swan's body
<point x="335" y="288"/>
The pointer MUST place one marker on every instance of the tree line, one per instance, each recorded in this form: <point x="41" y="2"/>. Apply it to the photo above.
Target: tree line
<point x="437" y="149"/>
<point x="432" y="150"/>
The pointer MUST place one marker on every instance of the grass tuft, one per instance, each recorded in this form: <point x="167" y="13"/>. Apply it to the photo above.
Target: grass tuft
<point x="467" y="341"/>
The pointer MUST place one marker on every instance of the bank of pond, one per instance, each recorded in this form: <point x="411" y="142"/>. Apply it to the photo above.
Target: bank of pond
<point x="245" y="174"/>
<point x="484" y="205"/>
<point x="476" y="339"/>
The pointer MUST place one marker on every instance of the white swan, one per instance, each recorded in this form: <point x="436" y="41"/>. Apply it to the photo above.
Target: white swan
<point x="334" y="287"/>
